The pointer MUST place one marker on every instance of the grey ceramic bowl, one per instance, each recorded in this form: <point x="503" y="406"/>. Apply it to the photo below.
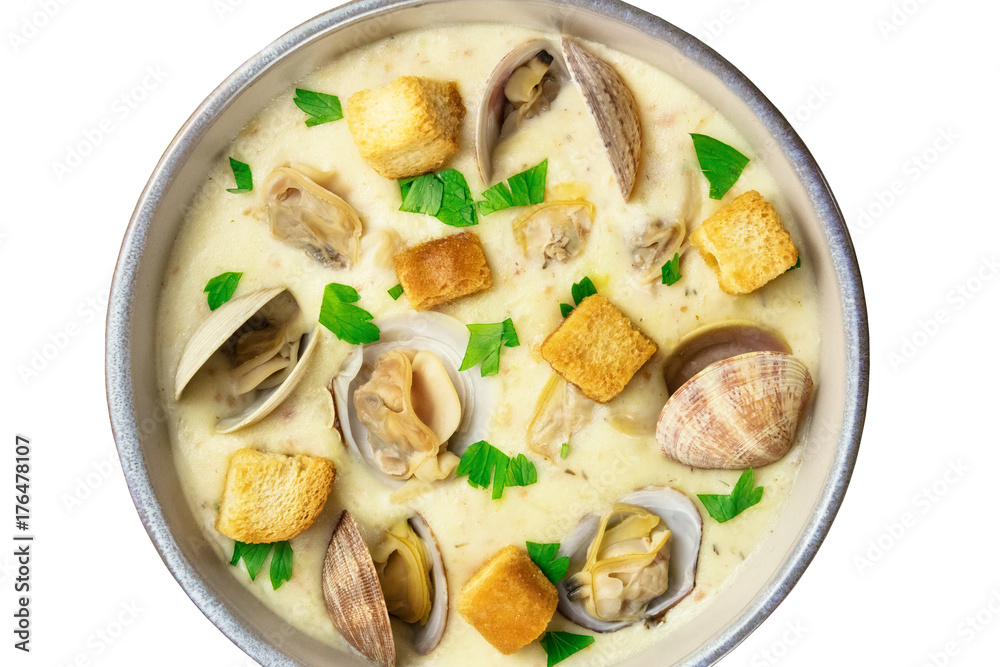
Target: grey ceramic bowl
<point x="139" y="427"/>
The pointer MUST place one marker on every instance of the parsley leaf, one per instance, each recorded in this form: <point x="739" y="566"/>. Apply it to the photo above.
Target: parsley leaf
<point x="244" y="179"/>
<point x="483" y="462"/>
<point x="396" y="292"/>
<point x="485" y="341"/>
<point x="523" y="189"/>
<point x="221" y="288"/>
<point x="422" y="194"/>
<point x="580" y="291"/>
<point x="253" y="556"/>
<point x="561" y="645"/>
<point x="322" y="108"/>
<point x="444" y="195"/>
<point x="564" y="451"/>
<point x="281" y="564"/>
<point x="672" y="270"/>
<point x="798" y="264"/>
<point x="544" y="556"/>
<point x="722" y="508"/>
<point x="347" y="322"/>
<point x="721" y="163"/>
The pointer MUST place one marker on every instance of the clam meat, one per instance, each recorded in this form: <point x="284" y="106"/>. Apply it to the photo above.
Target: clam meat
<point x="265" y="346"/>
<point x="528" y="79"/>
<point x="634" y="563"/>
<point x="306" y="215"/>
<point x="402" y="403"/>
<point x="555" y="230"/>
<point x="560" y="411"/>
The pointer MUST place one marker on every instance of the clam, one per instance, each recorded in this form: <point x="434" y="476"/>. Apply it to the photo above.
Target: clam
<point x="741" y="412"/>
<point x="306" y="215"/>
<point x="634" y="563"/>
<point x="528" y="78"/>
<point x="716" y="342"/>
<point x="556" y="229"/>
<point x="654" y="246"/>
<point x="403" y="576"/>
<point x="561" y="411"/>
<point x="403" y="405"/>
<point x="265" y="346"/>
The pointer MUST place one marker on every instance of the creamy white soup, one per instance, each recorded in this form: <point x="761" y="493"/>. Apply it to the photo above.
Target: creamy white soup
<point x="614" y="453"/>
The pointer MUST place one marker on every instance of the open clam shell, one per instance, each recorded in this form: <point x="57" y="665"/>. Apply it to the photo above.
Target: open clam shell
<point x="684" y="522"/>
<point x="447" y="338"/>
<point x="355" y="600"/>
<point x="737" y="413"/>
<point x="275" y="306"/>
<point x="609" y="101"/>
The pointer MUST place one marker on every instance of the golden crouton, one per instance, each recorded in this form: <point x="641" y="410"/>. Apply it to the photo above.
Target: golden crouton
<point x="745" y="244"/>
<point x="509" y="601"/>
<point x="272" y="497"/>
<point x="408" y="127"/>
<point x="442" y="270"/>
<point x="597" y="348"/>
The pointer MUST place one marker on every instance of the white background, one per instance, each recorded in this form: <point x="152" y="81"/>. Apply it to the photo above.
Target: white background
<point x="888" y="94"/>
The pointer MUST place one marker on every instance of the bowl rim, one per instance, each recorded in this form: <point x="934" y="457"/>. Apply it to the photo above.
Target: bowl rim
<point x="120" y="310"/>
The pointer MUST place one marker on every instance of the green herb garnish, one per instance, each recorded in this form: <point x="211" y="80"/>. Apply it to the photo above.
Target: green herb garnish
<point x="221" y="288"/>
<point x="798" y="264"/>
<point x="721" y="163"/>
<point x="396" y="292"/>
<point x="244" y="179"/>
<point x="722" y="508"/>
<point x="281" y="564"/>
<point x="485" y="341"/>
<point x="672" y="270"/>
<point x="484" y="463"/>
<point x="580" y="291"/>
<point x="444" y="195"/>
<point x="254" y="555"/>
<point x="544" y="556"/>
<point x="561" y="645"/>
<point x="321" y="107"/>
<point x="523" y="189"/>
<point x="347" y="322"/>
<point x="564" y="451"/>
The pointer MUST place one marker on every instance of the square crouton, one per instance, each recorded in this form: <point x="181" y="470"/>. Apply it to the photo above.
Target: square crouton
<point x="272" y="497"/>
<point x="597" y="348"/>
<point x="407" y="127"/>
<point x="509" y="601"/>
<point x="443" y="270"/>
<point x="745" y="244"/>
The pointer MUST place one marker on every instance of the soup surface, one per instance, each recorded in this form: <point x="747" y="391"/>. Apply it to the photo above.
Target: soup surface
<point x="612" y="455"/>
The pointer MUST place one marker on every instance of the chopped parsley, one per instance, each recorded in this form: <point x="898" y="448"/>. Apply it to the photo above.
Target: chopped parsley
<point x="485" y="342"/>
<point x="564" y="450"/>
<point x="721" y="163"/>
<point x="396" y="292"/>
<point x="320" y="107"/>
<point x="444" y="195"/>
<point x="244" y="179"/>
<point x="798" y="264"/>
<point x="221" y="288"/>
<point x="484" y="463"/>
<point x="254" y="555"/>
<point x="523" y="189"/>
<point x="580" y="291"/>
<point x="348" y="322"/>
<point x="545" y="558"/>
<point x="561" y="645"/>
<point x="672" y="270"/>
<point x="723" y="508"/>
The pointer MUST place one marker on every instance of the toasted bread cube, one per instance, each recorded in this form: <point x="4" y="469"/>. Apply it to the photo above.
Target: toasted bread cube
<point x="745" y="244"/>
<point x="509" y="601"/>
<point x="597" y="348"/>
<point x="439" y="271"/>
<point x="407" y="127"/>
<point x="272" y="497"/>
